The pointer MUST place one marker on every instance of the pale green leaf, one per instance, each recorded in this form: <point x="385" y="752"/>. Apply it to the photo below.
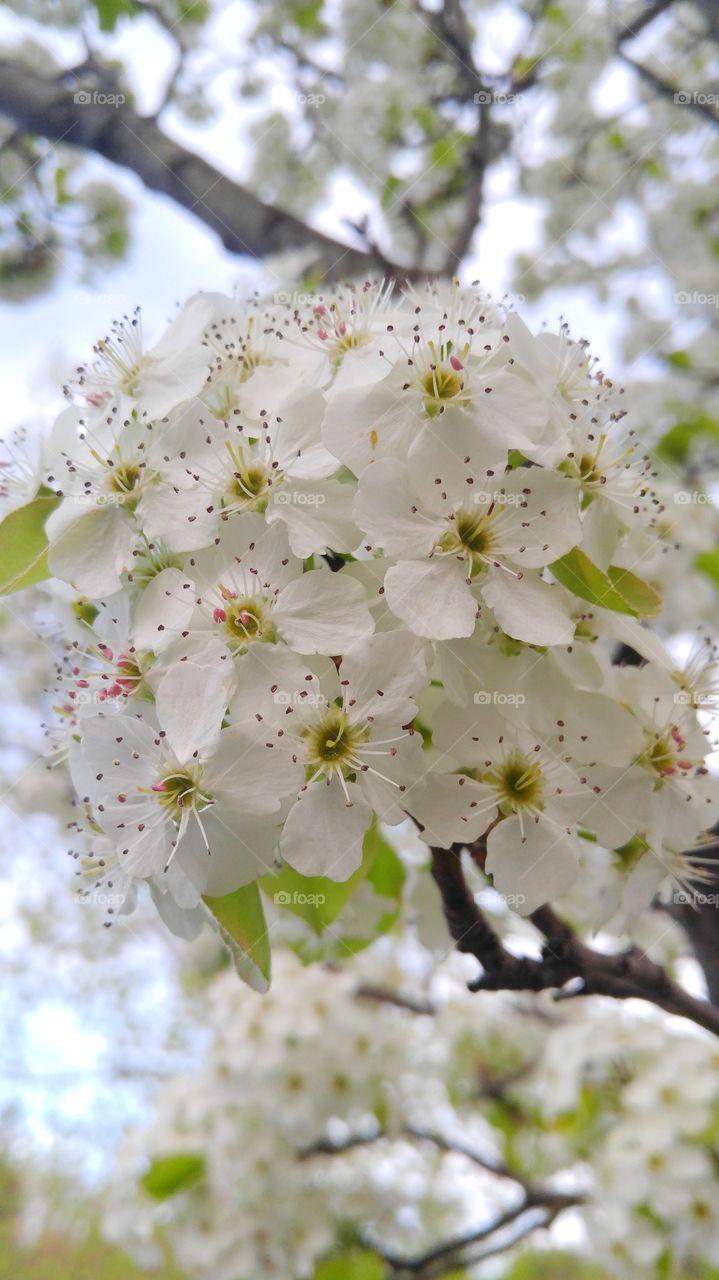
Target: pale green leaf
<point x="243" y="927"/>
<point x="23" y="545"/>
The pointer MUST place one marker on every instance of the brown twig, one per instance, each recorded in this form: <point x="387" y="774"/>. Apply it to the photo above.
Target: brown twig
<point x="630" y="974"/>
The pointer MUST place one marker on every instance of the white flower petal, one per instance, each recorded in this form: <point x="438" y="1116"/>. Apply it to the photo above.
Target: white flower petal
<point x="90" y="550"/>
<point x="322" y="612"/>
<point x="528" y="609"/>
<point x="530" y="869"/>
<point x="432" y="598"/>
<point x="318" y="515"/>
<point x="163" y="610"/>
<point x="323" y="835"/>
<point x="381" y="675"/>
<point x="191" y="700"/>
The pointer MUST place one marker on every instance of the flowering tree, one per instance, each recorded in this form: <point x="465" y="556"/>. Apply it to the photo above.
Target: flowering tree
<point x="342" y="566"/>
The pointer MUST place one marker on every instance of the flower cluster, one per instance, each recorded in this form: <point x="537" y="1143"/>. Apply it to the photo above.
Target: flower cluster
<point x="361" y="560"/>
<point x="377" y="1122"/>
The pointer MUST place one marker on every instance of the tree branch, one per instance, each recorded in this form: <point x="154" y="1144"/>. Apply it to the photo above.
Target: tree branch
<point x="537" y="1208"/>
<point x="628" y="975"/>
<point x="696" y="102"/>
<point x="48" y="108"/>
<point x="452" y="29"/>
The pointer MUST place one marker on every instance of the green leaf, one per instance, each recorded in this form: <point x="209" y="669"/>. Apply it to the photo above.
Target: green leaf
<point x="307" y="15"/>
<point x="554" y="1266"/>
<point x="617" y="589"/>
<point x="386" y="873"/>
<point x="108" y="12"/>
<point x="642" y="597"/>
<point x="61" y="193"/>
<point x="357" y="1265"/>
<point x="23" y="545"/>
<point x="679" y="359"/>
<point x="169" y="1174"/>
<point x="708" y="562"/>
<point x="315" y="899"/>
<point x="446" y="152"/>
<point x="675" y="444"/>
<point x="243" y="927"/>
<point x="319" y="901"/>
<point x="585" y="579"/>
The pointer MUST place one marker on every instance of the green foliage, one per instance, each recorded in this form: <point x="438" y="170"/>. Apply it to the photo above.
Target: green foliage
<point x="617" y="589"/>
<point x="110" y="11"/>
<point x="679" y="360"/>
<point x="23" y="545"/>
<point x="169" y="1174"/>
<point x="708" y="562"/>
<point x="105" y="233"/>
<point x="319" y="901"/>
<point x="640" y="595"/>
<point x="554" y="1266"/>
<point x="243" y="927"/>
<point x="307" y="15"/>
<point x="676" y="443"/>
<point x="357" y="1265"/>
